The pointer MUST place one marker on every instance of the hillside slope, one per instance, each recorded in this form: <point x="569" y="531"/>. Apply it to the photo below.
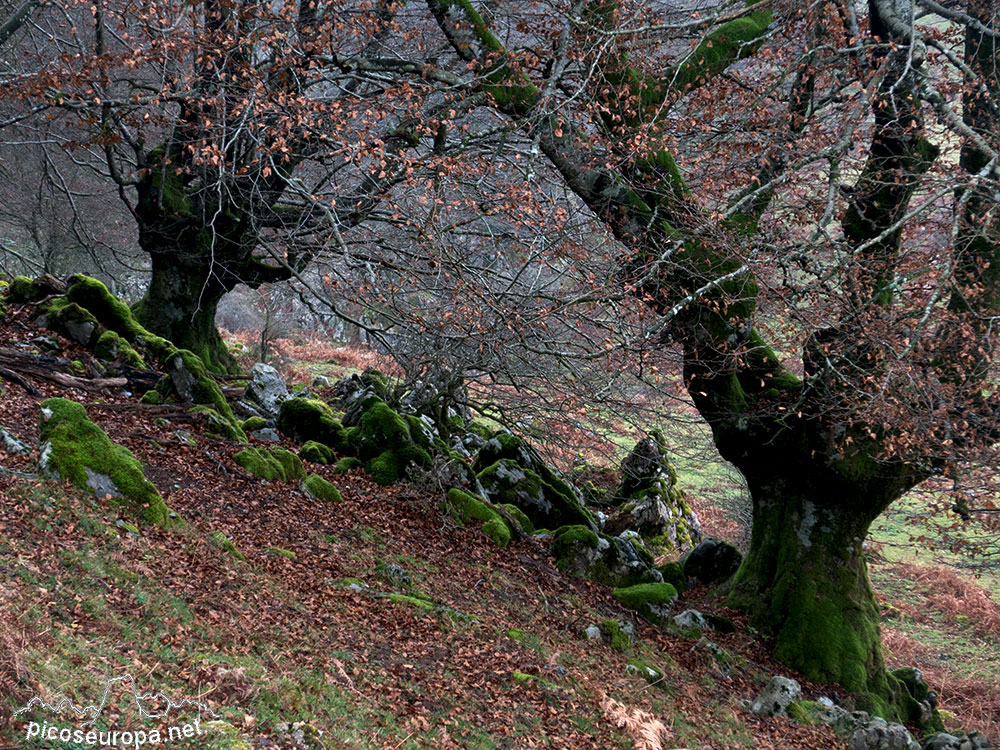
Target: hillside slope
<point x="378" y="621"/>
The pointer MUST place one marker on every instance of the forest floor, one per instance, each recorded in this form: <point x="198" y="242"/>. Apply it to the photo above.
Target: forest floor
<point x="383" y="623"/>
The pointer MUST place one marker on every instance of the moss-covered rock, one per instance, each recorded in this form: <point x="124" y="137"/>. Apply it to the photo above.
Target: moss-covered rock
<point x="72" y="321"/>
<point x="113" y="348"/>
<point x="151" y="397"/>
<point x="546" y="504"/>
<point x="306" y="419"/>
<point x="220" y="541"/>
<point x="346" y="464"/>
<point x="467" y="507"/>
<point x="520" y="518"/>
<point x="316" y="453"/>
<point x="219" y="425"/>
<point x="260" y="463"/>
<point x="673" y="573"/>
<point x="650" y="502"/>
<point x="651" y="674"/>
<point x="21" y="290"/>
<point x="291" y="463"/>
<point x="251" y="424"/>
<point x="651" y="600"/>
<point x="612" y="561"/>
<point x="382" y="440"/>
<point x="76" y="449"/>
<point x="617" y="637"/>
<point x="320" y="488"/>
<point x="279" y="552"/>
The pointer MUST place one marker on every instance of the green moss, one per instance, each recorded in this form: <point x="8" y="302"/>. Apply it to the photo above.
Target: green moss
<point x="72" y="445"/>
<point x="305" y="419"/>
<point x="316" y="453"/>
<point x="651" y="600"/>
<point x="113" y="348"/>
<point x="218" y="425"/>
<point x="260" y="463"/>
<point x="419" y="433"/>
<point x="805" y="712"/>
<point x="651" y="674"/>
<point x="22" y="289"/>
<point x="319" y="487"/>
<point x="467" y="507"/>
<point x="618" y="639"/>
<point x="378" y="430"/>
<point x="291" y="463"/>
<point x="518" y="635"/>
<point x="412" y="601"/>
<point x="279" y="552"/>
<point x="520" y="518"/>
<point x="498" y="530"/>
<point x="151" y="397"/>
<point x="384" y="468"/>
<point x="251" y="424"/>
<point x="673" y="573"/>
<point x="184" y="367"/>
<point x="346" y="464"/>
<point x="221" y="541"/>
<point x="72" y="321"/>
<point x="113" y="314"/>
<point x="567" y="538"/>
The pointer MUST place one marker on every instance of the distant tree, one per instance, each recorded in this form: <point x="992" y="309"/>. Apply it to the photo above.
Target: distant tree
<point x="243" y="137"/>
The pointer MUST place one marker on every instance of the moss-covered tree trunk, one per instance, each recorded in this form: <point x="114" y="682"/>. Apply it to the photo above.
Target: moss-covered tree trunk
<point x="200" y="250"/>
<point x="805" y="581"/>
<point x="180" y="305"/>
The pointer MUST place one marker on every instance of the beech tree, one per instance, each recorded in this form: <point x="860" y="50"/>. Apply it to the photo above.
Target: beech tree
<point x="242" y="136"/>
<point x="868" y="226"/>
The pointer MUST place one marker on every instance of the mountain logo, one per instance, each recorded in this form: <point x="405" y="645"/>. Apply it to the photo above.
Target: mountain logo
<point x="149" y="706"/>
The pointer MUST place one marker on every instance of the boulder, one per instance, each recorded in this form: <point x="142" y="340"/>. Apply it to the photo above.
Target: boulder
<point x="651" y="600"/>
<point x="780" y="693"/>
<point x="12" y="445"/>
<point x="713" y="560"/>
<point x="306" y="419"/>
<point x="648" y="499"/>
<point x="76" y="449"/>
<point x="879" y="734"/>
<point x="385" y="442"/>
<point x="511" y="472"/>
<point x="267" y="389"/>
<point x="613" y="561"/>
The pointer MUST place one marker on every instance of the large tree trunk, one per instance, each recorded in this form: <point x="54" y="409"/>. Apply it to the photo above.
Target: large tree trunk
<point x="180" y="305"/>
<point x="805" y="579"/>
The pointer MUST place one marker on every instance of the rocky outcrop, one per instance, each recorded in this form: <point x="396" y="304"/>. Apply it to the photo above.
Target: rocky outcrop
<point x="649" y="501"/>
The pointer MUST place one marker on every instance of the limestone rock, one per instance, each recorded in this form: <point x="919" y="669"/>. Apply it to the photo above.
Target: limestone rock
<point x="649" y="500"/>
<point x="12" y="445"/>
<point x="879" y="734"/>
<point x="267" y="389"/>
<point x="779" y="694"/>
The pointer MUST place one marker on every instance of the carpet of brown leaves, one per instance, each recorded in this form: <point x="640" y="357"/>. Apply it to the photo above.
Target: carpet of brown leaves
<point x="410" y="674"/>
